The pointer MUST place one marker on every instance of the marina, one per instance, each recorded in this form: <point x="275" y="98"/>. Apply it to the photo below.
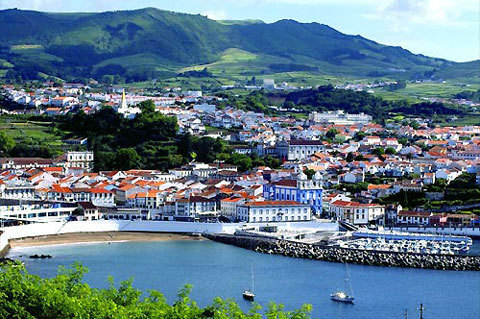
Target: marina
<point x="404" y="242"/>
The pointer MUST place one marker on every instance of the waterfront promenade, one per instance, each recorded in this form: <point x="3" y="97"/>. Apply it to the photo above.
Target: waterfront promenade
<point x="57" y="228"/>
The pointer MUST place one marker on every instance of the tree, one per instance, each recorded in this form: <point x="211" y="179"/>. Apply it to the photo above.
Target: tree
<point x="147" y="107"/>
<point x="67" y="296"/>
<point x="244" y="162"/>
<point x="127" y="158"/>
<point x="349" y="158"/>
<point x="359" y="158"/>
<point x="360" y="135"/>
<point x="379" y="151"/>
<point x="390" y="150"/>
<point x="331" y="133"/>
<point x="6" y="143"/>
<point x="309" y="172"/>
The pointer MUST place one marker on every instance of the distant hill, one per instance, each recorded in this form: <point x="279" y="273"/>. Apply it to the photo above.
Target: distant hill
<point x="149" y="43"/>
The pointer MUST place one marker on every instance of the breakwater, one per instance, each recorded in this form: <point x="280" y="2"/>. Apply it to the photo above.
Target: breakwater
<point x="346" y="255"/>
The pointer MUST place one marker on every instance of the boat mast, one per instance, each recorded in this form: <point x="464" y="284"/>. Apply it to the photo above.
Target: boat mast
<point x="348" y="280"/>
<point x="251" y="269"/>
<point x="422" y="308"/>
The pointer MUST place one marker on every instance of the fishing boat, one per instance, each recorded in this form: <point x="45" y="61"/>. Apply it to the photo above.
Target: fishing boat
<point x="342" y="296"/>
<point x="248" y="294"/>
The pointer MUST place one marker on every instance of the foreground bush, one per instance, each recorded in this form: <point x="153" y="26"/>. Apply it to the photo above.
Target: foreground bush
<point x="25" y="296"/>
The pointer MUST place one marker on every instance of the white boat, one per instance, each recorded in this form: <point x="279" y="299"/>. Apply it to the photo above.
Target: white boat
<point x="342" y="296"/>
<point x="248" y="294"/>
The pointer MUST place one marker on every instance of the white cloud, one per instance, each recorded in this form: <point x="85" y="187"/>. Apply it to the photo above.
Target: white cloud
<point x="215" y="14"/>
<point x="31" y="4"/>
<point x="403" y="13"/>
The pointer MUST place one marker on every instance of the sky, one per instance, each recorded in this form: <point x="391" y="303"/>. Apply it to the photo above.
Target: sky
<point x="448" y="29"/>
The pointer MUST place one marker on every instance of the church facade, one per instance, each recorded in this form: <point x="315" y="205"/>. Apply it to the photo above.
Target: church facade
<point x="301" y="190"/>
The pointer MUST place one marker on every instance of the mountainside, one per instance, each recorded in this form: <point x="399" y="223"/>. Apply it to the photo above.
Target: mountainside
<point x="151" y="43"/>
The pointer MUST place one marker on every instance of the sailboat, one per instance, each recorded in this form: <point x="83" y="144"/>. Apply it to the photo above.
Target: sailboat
<point x="248" y="293"/>
<point x="342" y="296"/>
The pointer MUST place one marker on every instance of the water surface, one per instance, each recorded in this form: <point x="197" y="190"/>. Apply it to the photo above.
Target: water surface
<point x="216" y="269"/>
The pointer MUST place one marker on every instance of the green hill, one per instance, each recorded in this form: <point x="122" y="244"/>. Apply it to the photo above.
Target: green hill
<point x="149" y="43"/>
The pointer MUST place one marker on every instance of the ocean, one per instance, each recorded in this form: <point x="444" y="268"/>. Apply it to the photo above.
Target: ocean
<point x="215" y="269"/>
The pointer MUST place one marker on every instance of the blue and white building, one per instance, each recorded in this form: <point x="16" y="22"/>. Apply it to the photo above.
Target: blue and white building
<point x="302" y="190"/>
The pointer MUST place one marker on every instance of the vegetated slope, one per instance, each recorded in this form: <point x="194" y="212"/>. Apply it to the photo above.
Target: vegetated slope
<point x="95" y="44"/>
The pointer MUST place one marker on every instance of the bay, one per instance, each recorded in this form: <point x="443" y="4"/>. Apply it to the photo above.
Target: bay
<point x="216" y="269"/>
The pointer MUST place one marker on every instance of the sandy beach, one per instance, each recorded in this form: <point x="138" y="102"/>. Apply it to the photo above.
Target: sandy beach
<point x="97" y="237"/>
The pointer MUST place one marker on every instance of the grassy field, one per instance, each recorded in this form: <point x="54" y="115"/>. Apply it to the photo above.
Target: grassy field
<point x="415" y="91"/>
<point x="28" y="132"/>
<point x="36" y="52"/>
<point x="142" y="59"/>
<point x="470" y="119"/>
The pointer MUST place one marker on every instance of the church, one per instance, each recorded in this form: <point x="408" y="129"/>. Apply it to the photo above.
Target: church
<point x="125" y="110"/>
<point x="301" y="189"/>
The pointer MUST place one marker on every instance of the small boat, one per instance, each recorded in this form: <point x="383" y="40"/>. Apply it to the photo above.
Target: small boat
<point x="341" y="296"/>
<point x="248" y="294"/>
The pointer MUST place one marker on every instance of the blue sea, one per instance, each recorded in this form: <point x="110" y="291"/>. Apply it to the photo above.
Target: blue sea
<point x="216" y="269"/>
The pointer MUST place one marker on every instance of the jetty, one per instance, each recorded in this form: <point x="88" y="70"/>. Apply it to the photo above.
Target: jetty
<point x="346" y="255"/>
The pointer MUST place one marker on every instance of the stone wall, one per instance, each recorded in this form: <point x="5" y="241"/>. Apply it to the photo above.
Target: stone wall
<point x="336" y="254"/>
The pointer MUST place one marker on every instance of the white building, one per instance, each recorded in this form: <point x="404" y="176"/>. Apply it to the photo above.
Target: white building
<point x="193" y="207"/>
<point x="83" y="159"/>
<point x="357" y="213"/>
<point x="339" y="117"/>
<point x="300" y="149"/>
<point x="228" y="206"/>
<point x="12" y="211"/>
<point x="273" y="211"/>
<point x="269" y="84"/>
<point x="413" y="218"/>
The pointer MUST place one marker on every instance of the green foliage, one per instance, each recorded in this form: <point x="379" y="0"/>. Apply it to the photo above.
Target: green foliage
<point x="26" y="296"/>
<point x="196" y="74"/>
<point x="327" y="98"/>
<point x="6" y="143"/>
<point x="463" y="188"/>
<point x="309" y="172"/>
<point x="331" y="133"/>
<point x="147" y="141"/>
<point x="126" y="159"/>
<point x="349" y="157"/>
<point x="390" y="150"/>
<point x="408" y="199"/>
<point x="396" y="86"/>
<point x="103" y="45"/>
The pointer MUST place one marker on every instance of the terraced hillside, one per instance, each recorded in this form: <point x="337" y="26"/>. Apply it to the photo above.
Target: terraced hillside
<point x="151" y="43"/>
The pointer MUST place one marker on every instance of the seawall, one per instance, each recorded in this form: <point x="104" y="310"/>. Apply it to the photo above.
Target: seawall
<point x="342" y="255"/>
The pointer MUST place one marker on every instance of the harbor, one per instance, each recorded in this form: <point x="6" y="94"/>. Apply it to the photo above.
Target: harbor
<point x="395" y="241"/>
<point x="385" y="291"/>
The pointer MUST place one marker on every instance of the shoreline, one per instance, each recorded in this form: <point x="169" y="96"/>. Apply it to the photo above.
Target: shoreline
<point x="95" y="237"/>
